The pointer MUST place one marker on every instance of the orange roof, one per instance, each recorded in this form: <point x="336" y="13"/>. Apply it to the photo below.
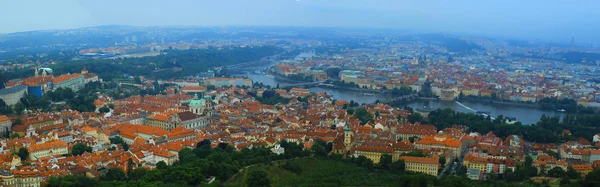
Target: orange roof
<point x="161" y="117"/>
<point x="65" y="77"/>
<point x="193" y="88"/>
<point x="47" y="145"/>
<point x="4" y="118"/>
<point x="448" y="141"/>
<point x="299" y="90"/>
<point x="98" y="102"/>
<point x="582" y="167"/>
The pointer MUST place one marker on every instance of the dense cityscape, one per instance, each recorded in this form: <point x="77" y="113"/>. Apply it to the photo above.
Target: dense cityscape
<point x="295" y="106"/>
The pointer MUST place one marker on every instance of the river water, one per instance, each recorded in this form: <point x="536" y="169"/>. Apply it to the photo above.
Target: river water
<point x="525" y="114"/>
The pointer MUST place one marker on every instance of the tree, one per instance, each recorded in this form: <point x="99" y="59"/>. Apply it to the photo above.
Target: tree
<point x="136" y="174"/>
<point x="19" y="108"/>
<point x="138" y="80"/>
<point x="292" y="167"/>
<point x="454" y="181"/>
<point x="565" y="181"/>
<point x="119" y="140"/>
<point x="43" y="103"/>
<point x="572" y="174"/>
<point x="114" y="174"/>
<point x="71" y="180"/>
<point x="187" y="155"/>
<point x="415" y="117"/>
<point x="23" y="153"/>
<point x="258" y="178"/>
<point x="268" y="94"/>
<point x="442" y="160"/>
<point x="319" y="150"/>
<point x="592" y="178"/>
<point x="363" y="115"/>
<point x="161" y="165"/>
<point x="116" y="140"/>
<point x="17" y="121"/>
<point x="528" y="161"/>
<point x="3" y="107"/>
<point x="412" y="139"/>
<point x="68" y="93"/>
<point x="350" y="111"/>
<point x="556" y="172"/>
<point x="104" y="109"/>
<point x="398" y="166"/>
<point x="79" y="148"/>
<point x="368" y="164"/>
<point x="385" y="161"/>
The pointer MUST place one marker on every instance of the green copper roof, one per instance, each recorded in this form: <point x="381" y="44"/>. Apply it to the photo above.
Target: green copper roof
<point x="196" y="101"/>
<point x="199" y="102"/>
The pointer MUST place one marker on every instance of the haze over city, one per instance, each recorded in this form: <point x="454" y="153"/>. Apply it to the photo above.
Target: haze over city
<point x="536" y="19"/>
<point x="260" y="93"/>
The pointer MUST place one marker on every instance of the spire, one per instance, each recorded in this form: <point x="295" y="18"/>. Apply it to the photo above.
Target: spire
<point x="195" y="96"/>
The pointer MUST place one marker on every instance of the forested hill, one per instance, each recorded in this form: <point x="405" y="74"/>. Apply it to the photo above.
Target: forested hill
<point x="170" y="64"/>
<point x="581" y="58"/>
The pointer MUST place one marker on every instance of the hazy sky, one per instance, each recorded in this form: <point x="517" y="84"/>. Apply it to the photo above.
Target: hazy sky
<point x="553" y="20"/>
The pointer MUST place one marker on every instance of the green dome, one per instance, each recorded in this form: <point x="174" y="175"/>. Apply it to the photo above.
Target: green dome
<point x="196" y="101"/>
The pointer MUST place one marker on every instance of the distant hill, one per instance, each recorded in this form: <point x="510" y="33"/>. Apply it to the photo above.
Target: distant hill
<point x="581" y="57"/>
<point x="453" y="44"/>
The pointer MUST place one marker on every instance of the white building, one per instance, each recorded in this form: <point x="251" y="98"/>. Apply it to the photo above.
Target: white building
<point x="277" y="149"/>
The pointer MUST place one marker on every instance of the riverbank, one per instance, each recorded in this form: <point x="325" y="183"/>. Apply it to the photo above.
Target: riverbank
<point x="360" y="90"/>
<point x="287" y="80"/>
<point x="531" y="105"/>
<point x="429" y="98"/>
<point x="526" y="113"/>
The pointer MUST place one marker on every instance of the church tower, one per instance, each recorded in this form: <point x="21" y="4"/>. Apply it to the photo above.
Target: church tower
<point x="84" y="70"/>
<point x="348" y="134"/>
<point x="208" y="105"/>
<point x="197" y="105"/>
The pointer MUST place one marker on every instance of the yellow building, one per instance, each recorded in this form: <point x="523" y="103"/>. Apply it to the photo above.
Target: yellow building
<point x="158" y="120"/>
<point x="427" y="165"/>
<point x="440" y="141"/>
<point x="18" y="178"/>
<point x="373" y="153"/>
<point x="56" y="147"/>
<point x="5" y="124"/>
<point x="528" y="98"/>
<point x="475" y="164"/>
<point x="447" y="95"/>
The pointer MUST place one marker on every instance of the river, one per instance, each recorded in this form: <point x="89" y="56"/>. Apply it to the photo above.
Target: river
<point x="525" y="114"/>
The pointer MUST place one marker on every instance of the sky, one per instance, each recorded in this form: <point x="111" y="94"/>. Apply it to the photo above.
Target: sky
<point x="549" y="20"/>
